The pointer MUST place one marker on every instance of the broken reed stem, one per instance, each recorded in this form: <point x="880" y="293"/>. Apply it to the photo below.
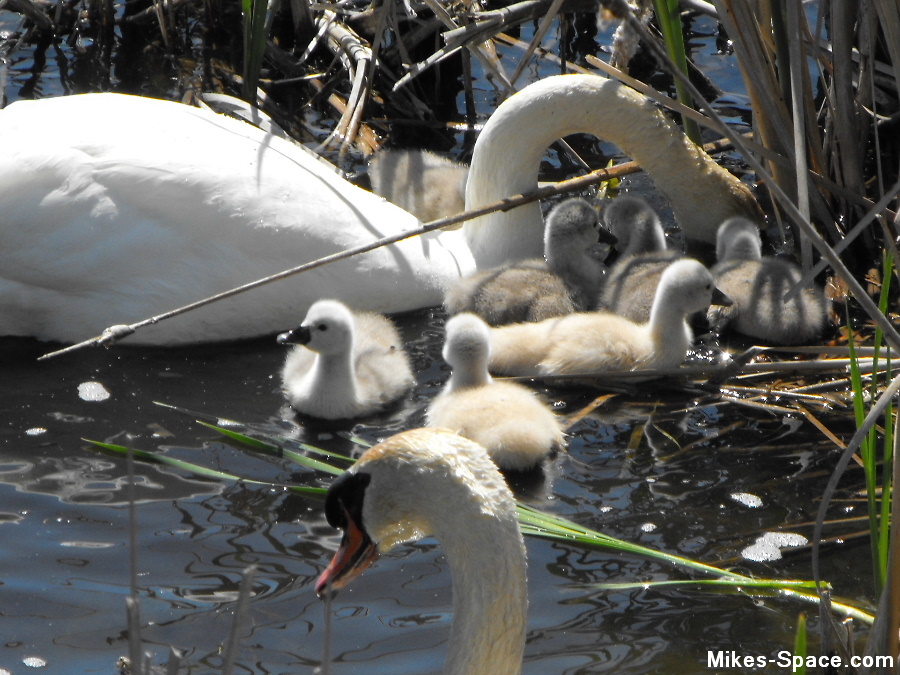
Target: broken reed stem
<point x="707" y="371"/>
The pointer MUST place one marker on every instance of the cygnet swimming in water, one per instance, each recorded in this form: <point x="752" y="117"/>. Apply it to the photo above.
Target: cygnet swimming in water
<point x="516" y="428"/>
<point x="757" y="285"/>
<point x="532" y="290"/>
<point x="630" y="286"/>
<point x="425" y="184"/>
<point x="593" y="343"/>
<point x="345" y="364"/>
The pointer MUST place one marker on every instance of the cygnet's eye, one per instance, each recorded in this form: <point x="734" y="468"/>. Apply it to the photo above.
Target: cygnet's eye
<point x="322" y="327"/>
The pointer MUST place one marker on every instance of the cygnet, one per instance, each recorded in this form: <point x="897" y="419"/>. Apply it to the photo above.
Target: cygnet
<point x="345" y="364"/>
<point x="566" y="281"/>
<point x="630" y="286"/>
<point x="516" y="428"/>
<point x="593" y="343"/>
<point x="425" y="184"/>
<point x="757" y="285"/>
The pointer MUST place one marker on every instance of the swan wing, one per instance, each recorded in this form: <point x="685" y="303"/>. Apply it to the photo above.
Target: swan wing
<point x="148" y="205"/>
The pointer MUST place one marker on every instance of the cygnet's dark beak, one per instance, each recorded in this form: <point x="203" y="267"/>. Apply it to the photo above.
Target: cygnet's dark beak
<point x="297" y="336"/>
<point x="719" y="298"/>
<point x="612" y="256"/>
<point x="604" y="236"/>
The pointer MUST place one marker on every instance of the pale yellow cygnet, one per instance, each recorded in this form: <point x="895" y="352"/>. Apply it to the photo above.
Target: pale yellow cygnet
<point x="345" y="364"/>
<point x="565" y="281"/>
<point x="508" y="419"/>
<point x="757" y="284"/>
<point x="593" y="343"/>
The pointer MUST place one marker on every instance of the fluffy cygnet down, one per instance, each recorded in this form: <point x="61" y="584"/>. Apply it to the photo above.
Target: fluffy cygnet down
<point x="508" y="419"/>
<point x="345" y="365"/>
<point x="593" y="343"/>
<point x="566" y="281"/>
<point x="425" y="184"/>
<point x="630" y="286"/>
<point x="757" y="285"/>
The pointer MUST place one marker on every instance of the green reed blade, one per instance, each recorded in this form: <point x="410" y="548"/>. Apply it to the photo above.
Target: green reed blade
<point x="668" y="13"/>
<point x="537" y="524"/>
<point x="800" y="646"/>
<point x="275" y="450"/>
<point x="114" y="450"/>
<point x="736" y="584"/>
<point x="255" y="22"/>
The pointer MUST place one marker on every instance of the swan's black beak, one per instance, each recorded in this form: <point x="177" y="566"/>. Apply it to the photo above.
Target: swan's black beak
<point x="343" y="510"/>
<point x="297" y="336"/>
<point x="719" y="298"/>
<point x="356" y="552"/>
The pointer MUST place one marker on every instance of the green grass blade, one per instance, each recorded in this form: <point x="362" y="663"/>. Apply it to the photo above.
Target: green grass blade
<point x="736" y="584"/>
<point x="114" y="450"/>
<point x="547" y="526"/>
<point x="254" y="14"/>
<point x="668" y="13"/>
<point x="800" y="647"/>
<point x="884" y="521"/>
<point x="867" y="452"/>
<point x="255" y="443"/>
<point x="275" y="450"/>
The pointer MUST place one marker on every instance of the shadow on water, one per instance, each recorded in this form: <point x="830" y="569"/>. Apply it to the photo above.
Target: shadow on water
<point x="699" y="481"/>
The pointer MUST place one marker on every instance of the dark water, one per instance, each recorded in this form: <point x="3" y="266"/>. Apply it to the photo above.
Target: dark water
<point x="711" y="479"/>
<point x="65" y="525"/>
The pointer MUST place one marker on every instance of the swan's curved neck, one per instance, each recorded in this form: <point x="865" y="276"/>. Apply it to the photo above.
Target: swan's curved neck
<point x="490" y="595"/>
<point x="509" y="150"/>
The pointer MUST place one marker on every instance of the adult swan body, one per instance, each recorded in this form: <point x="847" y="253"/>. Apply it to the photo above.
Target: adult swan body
<point x="115" y="208"/>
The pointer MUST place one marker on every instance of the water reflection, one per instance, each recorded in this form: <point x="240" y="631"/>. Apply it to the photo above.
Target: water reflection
<point x="90" y="480"/>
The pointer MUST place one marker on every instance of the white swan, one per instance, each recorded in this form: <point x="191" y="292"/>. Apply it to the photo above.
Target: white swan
<point x="425" y="184"/>
<point x="630" y="287"/>
<point x="593" y="343"/>
<point x="566" y="280"/>
<point x="116" y="208"/>
<point x="506" y="418"/>
<point x="345" y="364"/>
<point x="433" y="482"/>
<point x="757" y="285"/>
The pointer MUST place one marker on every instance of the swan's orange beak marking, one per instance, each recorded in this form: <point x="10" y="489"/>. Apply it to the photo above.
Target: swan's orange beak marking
<point x="356" y="552"/>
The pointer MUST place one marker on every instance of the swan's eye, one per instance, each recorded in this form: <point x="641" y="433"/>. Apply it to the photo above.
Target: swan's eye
<point x="322" y="327"/>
